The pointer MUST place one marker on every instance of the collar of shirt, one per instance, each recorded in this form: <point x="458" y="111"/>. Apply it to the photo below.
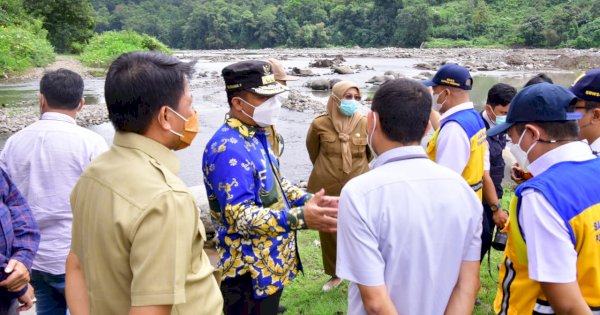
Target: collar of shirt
<point x="398" y="152"/>
<point x="152" y="148"/>
<point x="247" y="131"/>
<point x="487" y="118"/>
<point x="57" y="116"/>
<point x="455" y="109"/>
<point x="573" y="151"/>
<point x="596" y="145"/>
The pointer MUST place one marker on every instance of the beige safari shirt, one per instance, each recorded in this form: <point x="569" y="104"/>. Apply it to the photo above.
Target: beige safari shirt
<point x="137" y="234"/>
<point x="325" y="152"/>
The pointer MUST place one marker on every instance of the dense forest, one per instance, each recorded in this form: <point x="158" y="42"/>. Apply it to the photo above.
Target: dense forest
<point x="212" y="24"/>
<point x="31" y="31"/>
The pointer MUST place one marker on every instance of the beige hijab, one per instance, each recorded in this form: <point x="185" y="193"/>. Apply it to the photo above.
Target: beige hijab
<point x="343" y="124"/>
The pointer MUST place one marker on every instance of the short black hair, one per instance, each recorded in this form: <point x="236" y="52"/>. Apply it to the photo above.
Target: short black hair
<point x="539" y="78"/>
<point x="589" y="105"/>
<point x="62" y="88"/>
<point x="556" y="130"/>
<point x="138" y="84"/>
<point x="501" y="94"/>
<point x="403" y="107"/>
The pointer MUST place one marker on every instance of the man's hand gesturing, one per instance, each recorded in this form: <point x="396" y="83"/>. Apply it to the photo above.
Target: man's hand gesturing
<point x="320" y="212"/>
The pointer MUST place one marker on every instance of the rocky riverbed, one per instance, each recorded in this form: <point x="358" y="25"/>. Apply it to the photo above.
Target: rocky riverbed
<point x="14" y="115"/>
<point x="369" y="67"/>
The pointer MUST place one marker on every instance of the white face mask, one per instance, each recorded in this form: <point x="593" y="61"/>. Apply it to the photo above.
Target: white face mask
<point x="434" y="101"/>
<point x="370" y="135"/>
<point x="267" y="113"/>
<point x="528" y="150"/>
<point x="283" y="97"/>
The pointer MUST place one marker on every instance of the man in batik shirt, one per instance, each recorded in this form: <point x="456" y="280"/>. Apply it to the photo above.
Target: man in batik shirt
<point x="257" y="211"/>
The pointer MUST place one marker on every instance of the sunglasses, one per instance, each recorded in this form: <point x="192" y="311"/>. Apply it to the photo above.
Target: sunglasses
<point x="355" y="97"/>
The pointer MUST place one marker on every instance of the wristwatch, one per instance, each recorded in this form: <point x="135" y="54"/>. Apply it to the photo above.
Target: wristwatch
<point x="496" y="206"/>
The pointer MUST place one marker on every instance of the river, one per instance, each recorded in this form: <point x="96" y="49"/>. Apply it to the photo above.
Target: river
<point x="210" y="101"/>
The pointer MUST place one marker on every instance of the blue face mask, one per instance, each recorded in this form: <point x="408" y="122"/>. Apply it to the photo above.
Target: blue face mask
<point x="348" y="107"/>
<point x="500" y="119"/>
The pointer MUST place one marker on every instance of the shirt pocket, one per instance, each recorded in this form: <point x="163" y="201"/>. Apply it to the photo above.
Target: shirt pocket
<point x="330" y="144"/>
<point x="359" y="145"/>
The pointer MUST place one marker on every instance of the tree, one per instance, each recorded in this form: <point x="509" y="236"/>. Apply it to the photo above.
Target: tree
<point x="312" y="35"/>
<point x="531" y="30"/>
<point x="70" y="23"/>
<point x="383" y="21"/>
<point x="480" y="17"/>
<point x="414" y="25"/>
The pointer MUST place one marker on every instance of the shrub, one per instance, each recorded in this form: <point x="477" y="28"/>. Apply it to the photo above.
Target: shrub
<point x="447" y="43"/>
<point x="106" y="47"/>
<point x="22" y="47"/>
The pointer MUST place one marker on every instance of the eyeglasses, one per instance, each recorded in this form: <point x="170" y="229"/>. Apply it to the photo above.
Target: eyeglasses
<point x="580" y="107"/>
<point x="355" y="97"/>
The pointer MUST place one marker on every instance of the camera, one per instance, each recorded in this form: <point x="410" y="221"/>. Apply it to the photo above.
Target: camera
<point x="499" y="242"/>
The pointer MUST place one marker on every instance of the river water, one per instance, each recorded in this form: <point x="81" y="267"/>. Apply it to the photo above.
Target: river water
<point x="210" y="102"/>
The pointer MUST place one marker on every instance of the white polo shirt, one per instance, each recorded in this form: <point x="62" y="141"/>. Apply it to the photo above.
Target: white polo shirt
<point x="542" y="226"/>
<point x="453" y="145"/>
<point x="596" y="145"/>
<point x="407" y="225"/>
<point x="45" y="161"/>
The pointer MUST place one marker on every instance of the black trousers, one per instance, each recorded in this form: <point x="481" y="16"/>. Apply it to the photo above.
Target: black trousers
<point x="239" y="299"/>
<point x="9" y="307"/>
<point x="487" y="233"/>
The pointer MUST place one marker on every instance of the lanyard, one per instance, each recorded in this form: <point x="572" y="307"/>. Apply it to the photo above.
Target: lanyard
<point x="406" y="157"/>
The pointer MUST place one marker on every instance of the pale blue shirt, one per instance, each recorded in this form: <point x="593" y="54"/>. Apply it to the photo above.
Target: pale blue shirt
<point x="45" y="161"/>
<point x="407" y="225"/>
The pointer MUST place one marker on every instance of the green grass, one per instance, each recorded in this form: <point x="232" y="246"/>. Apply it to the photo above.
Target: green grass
<point x="304" y="295"/>
<point x="106" y="47"/>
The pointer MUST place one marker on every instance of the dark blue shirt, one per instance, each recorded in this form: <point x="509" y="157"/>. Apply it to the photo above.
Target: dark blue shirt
<point x="19" y="233"/>
<point x="256" y="210"/>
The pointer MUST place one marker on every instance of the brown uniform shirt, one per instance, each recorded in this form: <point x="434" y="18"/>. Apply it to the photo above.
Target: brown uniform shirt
<point x="137" y="234"/>
<point x="325" y="151"/>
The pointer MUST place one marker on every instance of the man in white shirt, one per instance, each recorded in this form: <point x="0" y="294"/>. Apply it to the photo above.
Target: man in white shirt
<point x="587" y="90"/>
<point x="551" y="265"/>
<point x="45" y="161"/>
<point x="460" y="142"/>
<point x="409" y="230"/>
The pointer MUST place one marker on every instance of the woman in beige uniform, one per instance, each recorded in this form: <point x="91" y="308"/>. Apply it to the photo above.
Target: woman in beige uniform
<point x="337" y="146"/>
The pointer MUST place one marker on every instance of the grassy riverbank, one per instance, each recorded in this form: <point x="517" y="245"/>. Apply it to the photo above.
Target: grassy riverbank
<point x="304" y="295"/>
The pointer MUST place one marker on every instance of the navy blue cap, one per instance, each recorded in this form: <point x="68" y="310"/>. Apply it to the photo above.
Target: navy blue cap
<point x="453" y="75"/>
<point x="538" y="103"/>
<point x="252" y="75"/>
<point x="587" y="86"/>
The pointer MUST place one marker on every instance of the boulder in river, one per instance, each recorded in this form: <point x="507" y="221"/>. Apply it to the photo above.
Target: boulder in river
<point x="426" y="66"/>
<point x="379" y="79"/>
<point x="302" y="72"/>
<point x="343" y="70"/>
<point x="318" y="85"/>
<point x="395" y="74"/>
<point x="299" y="102"/>
<point x="327" y="63"/>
